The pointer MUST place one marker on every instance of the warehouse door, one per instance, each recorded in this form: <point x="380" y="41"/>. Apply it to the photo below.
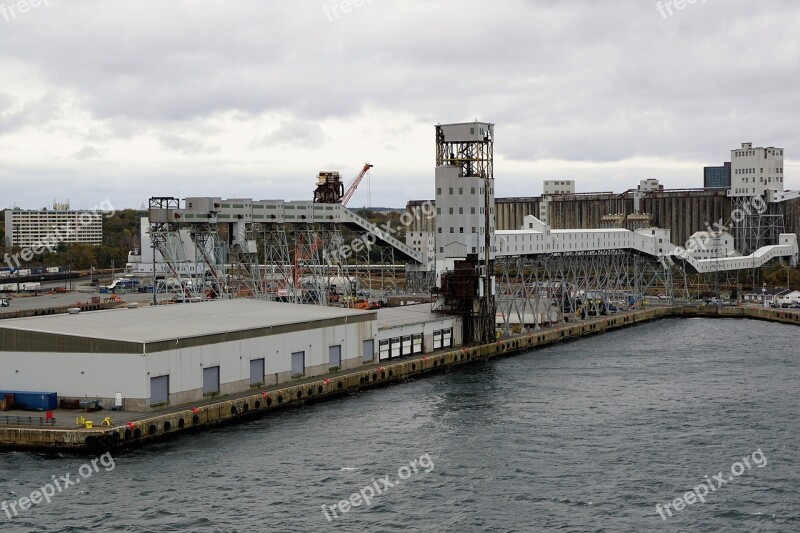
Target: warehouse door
<point x="256" y="371"/>
<point x="211" y="380"/>
<point x="406" y="346"/>
<point x="395" y="351"/>
<point x="447" y="338"/>
<point x="298" y="363"/>
<point x="369" y="350"/>
<point x="159" y="390"/>
<point x="384" y="352"/>
<point x="335" y="356"/>
<point x="437" y="339"/>
<point x="417" y="339"/>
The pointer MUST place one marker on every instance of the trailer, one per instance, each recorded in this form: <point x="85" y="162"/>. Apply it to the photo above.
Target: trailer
<point x="32" y="401"/>
<point x="20" y="287"/>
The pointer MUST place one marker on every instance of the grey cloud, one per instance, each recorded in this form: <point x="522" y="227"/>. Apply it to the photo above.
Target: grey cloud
<point x="187" y="146"/>
<point x="87" y="152"/>
<point x="293" y="132"/>
<point x="574" y="80"/>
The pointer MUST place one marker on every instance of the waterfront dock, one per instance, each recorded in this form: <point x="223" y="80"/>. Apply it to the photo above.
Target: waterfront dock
<point x="128" y="430"/>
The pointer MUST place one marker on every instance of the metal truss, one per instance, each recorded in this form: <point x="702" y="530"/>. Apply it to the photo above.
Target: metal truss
<point x="475" y="158"/>
<point x="373" y="266"/>
<point x="180" y="277"/>
<point x="545" y="289"/>
<point x="209" y="259"/>
<point x="244" y="272"/>
<point x="419" y="281"/>
<point x="753" y="229"/>
<point x="309" y="276"/>
<point x="277" y="265"/>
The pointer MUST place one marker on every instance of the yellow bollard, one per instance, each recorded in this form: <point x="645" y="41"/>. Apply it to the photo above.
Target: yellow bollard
<point x="80" y="420"/>
<point x="88" y="424"/>
<point x="106" y="421"/>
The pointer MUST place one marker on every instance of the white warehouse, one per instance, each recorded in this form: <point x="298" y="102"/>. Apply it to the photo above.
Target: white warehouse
<point x="180" y="354"/>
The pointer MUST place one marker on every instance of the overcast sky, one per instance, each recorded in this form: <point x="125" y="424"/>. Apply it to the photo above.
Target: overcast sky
<point x="124" y="99"/>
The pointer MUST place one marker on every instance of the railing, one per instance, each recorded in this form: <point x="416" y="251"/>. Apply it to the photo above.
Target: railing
<point x="27" y="421"/>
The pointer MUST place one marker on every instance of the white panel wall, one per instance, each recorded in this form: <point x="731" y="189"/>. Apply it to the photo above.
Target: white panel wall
<point x="103" y="375"/>
<point x="75" y="375"/>
<point x="185" y="365"/>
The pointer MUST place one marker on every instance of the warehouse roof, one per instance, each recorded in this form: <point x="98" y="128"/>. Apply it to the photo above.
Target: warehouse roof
<point x="407" y="315"/>
<point x="127" y="330"/>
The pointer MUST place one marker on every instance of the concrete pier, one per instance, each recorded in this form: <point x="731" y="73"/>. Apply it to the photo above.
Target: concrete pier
<point x="141" y="429"/>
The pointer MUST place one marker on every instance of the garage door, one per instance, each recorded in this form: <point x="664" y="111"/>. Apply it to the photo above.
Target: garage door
<point x="256" y="371"/>
<point x="406" y="346"/>
<point x="384" y="350"/>
<point x="437" y="339"/>
<point x="211" y="380"/>
<point x="417" y="343"/>
<point x="335" y="356"/>
<point x="159" y="390"/>
<point x="369" y="350"/>
<point x="298" y="363"/>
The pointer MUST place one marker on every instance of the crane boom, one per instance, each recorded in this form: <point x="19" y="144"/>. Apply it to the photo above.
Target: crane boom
<point x="351" y="189"/>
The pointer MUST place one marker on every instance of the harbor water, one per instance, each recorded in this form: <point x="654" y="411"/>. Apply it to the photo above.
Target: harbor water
<point x="590" y="435"/>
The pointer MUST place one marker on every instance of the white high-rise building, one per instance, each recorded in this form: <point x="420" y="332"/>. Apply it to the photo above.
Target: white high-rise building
<point x="33" y="228"/>
<point x="552" y="188"/>
<point x="558" y="187"/>
<point x="423" y="242"/>
<point x="464" y="192"/>
<point x="756" y="171"/>
<point x="460" y="214"/>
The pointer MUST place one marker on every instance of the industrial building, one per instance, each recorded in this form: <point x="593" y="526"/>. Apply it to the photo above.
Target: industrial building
<point x="182" y="354"/>
<point x="39" y="228"/>
<point x="415" y="329"/>
<point x="683" y="211"/>
<point x="717" y="177"/>
<point x="756" y="171"/>
<point x="517" y="274"/>
<point x="488" y="264"/>
<point x="558" y="187"/>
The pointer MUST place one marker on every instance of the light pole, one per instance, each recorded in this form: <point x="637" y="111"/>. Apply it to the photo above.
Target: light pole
<point x="787" y="277"/>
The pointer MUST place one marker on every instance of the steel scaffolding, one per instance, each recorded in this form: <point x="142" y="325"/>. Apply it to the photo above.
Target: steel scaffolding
<point x="545" y="289"/>
<point x="755" y="223"/>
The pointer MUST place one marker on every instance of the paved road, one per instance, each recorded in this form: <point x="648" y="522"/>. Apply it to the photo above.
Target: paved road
<point x="60" y="300"/>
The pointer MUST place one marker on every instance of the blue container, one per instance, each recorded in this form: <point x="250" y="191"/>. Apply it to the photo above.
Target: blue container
<point x="34" y="401"/>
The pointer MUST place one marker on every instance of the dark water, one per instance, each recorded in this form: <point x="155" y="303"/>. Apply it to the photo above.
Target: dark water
<point x="587" y="436"/>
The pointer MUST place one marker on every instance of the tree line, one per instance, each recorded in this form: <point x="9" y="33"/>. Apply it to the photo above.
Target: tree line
<point x="120" y="236"/>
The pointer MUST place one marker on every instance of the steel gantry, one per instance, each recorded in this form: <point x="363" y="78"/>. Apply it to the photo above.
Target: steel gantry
<point x="544" y="289"/>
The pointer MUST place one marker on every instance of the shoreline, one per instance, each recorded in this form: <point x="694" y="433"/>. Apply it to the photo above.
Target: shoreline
<point x="140" y="429"/>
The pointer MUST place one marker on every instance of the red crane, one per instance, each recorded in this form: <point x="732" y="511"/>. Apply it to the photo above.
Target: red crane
<point x="351" y="189"/>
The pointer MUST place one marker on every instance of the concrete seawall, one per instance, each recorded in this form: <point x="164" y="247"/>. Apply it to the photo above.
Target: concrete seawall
<point x="156" y="426"/>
